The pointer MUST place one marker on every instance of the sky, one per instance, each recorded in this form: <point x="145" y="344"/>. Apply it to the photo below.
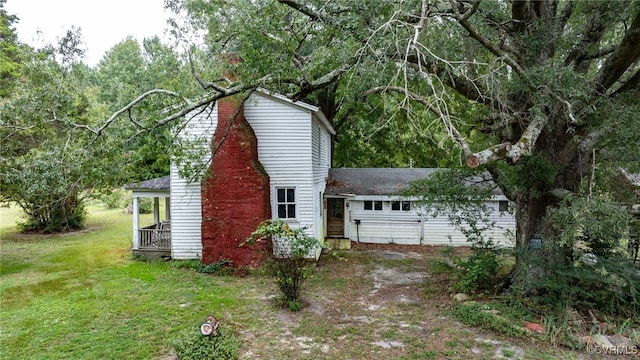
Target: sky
<point x="103" y="23"/>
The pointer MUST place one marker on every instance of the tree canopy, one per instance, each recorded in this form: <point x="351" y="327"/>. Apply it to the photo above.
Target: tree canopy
<point x="51" y="101"/>
<point x="534" y="92"/>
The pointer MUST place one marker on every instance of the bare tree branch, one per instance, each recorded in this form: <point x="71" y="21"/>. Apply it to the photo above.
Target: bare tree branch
<point x="307" y="10"/>
<point x="133" y="103"/>
<point x="453" y="131"/>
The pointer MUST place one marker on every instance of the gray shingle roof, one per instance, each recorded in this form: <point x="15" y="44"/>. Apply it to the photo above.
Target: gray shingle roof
<point x="373" y="181"/>
<point x="161" y="183"/>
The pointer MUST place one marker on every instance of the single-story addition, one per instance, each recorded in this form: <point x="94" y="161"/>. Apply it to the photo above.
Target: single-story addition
<point x="272" y="160"/>
<point x="365" y="205"/>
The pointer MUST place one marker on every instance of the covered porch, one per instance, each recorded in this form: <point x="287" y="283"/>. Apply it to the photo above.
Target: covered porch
<point x="152" y="240"/>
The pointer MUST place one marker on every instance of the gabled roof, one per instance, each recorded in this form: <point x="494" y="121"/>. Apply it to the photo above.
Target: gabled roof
<point x="380" y="181"/>
<point x="373" y="181"/>
<point x="161" y="183"/>
<point x="301" y="105"/>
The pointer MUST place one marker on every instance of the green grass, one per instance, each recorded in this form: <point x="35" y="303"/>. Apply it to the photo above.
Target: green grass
<point x="81" y="296"/>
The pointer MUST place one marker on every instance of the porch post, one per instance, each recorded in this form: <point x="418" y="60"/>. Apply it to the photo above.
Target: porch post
<point x="136" y="222"/>
<point x="156" y="210"/>
<point x="167" y="208"/>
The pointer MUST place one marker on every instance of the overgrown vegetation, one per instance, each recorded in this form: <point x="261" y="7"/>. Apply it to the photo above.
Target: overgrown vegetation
<point x="222" y="267"/>
<point x="461" y="195"/>
<point x="192" y="345"/>
<point x="479" y="272"/>
<point x="479" y="315"/>
<point x="584" y="263"/>
<point x="289" y="258"/>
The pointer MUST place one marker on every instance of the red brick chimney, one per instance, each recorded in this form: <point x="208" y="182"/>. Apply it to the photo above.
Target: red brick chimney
<point x="235" y="195"/>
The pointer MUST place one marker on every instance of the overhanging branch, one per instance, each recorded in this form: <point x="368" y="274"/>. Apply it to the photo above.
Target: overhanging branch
<point x="451" y="128"/>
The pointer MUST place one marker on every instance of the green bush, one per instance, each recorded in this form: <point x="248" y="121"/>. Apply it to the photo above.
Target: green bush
<point x="192" y="345"/>
<point x="68" y="215"/>
<point x="222" y="267"/>
<point x="585" y="264"/>
<point x="288" y="258"/>
<point x="145" y="205"/>
<point x="479" y="272"/>
<point x="114" y="199"/>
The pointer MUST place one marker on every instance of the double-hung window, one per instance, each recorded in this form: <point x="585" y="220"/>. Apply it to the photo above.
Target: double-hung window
<point x="286" y="201"/>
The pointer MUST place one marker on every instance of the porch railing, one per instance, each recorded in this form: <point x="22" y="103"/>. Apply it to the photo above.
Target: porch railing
<point x="154" y="237"/>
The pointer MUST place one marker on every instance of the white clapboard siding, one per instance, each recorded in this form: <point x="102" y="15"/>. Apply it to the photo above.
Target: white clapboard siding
<point x="186" y="206"/>
<point x="321" y="155"/>
<point x="284" y="133"/>
<point x="409" y="227"/>
<point x="293" y="147"/>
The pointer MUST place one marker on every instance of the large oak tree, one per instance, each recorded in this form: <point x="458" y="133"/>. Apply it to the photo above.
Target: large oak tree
<point x="535" y="92"/>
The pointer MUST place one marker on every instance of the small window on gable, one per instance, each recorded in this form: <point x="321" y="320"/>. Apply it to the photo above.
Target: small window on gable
<point x="503" y="206"/>
<point x="372" y="205"/>
<point x="286" y="201"/>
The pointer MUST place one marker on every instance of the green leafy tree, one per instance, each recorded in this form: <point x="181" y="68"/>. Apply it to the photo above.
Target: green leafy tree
<point x="46" y="169"/>
<point x="127" y="71"/>
<point x="9" y="52"/>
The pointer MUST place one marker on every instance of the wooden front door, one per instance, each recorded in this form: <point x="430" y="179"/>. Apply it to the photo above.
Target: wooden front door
<point x="335" y="218"/>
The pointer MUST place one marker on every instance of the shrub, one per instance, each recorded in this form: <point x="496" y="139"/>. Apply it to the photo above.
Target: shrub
<point x="584" y="264"/>
<point x="192" y="345"/>
<point x="478" y="272"/>
<point x="56" y="217"/>
<point x="145" y="205"/>
<point x="114" y="199"/>
<point x="288" y="259"/>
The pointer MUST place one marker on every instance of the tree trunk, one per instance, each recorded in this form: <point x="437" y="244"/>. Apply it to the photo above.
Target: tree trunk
<point x="530" y="224"/>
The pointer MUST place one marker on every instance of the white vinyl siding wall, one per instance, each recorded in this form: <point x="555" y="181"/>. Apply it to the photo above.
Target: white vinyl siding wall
<point x="186" y="206"/>
<point x="409" y="227"/>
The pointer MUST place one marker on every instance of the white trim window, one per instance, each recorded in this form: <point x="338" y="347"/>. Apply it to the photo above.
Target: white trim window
<point x="404" y="205"/>
<point x="373" y="205"/>
<point x="286" y="202"/>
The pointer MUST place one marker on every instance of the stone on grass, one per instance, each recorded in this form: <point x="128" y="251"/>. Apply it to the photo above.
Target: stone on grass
<point x="461" y="297"/>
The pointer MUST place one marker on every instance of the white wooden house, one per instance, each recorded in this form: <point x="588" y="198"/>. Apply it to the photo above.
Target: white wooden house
<point x="294" y="147"/>
<point x="293" y="142"/>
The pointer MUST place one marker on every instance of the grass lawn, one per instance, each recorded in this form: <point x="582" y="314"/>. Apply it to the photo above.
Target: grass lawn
<point x="82" y="296"/>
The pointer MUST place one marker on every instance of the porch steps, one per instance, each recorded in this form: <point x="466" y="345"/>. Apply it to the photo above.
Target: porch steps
<point x="338" y="244"/>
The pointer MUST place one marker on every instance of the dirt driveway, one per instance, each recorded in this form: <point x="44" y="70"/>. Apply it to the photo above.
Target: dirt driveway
<point x="379" y="302"/>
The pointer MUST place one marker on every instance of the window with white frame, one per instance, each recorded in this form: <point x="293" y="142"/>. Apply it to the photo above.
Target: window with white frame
<point x="398" y="205"/>
<point x="286" y="202"/>
<point x="372" y="205"/>
<point x="503" y="206"/>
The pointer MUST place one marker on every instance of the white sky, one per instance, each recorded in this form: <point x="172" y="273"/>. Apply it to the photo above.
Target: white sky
<point x="103" y="23"/>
